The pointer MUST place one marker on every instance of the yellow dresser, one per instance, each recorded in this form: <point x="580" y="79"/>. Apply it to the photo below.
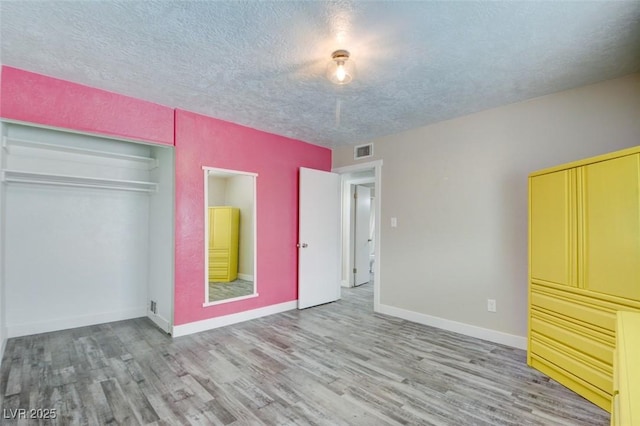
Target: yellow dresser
<point x="584" y="266"/>
<point x="224" y="225"/>
<point x="626" y="381"/>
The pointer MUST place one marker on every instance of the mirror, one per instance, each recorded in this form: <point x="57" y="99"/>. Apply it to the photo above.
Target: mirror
<point x="230" y="217"/>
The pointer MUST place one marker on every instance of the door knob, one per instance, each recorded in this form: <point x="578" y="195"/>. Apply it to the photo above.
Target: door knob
<point x="303" y="245"/>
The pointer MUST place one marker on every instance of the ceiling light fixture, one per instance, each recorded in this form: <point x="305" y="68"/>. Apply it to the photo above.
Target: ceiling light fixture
<point x="340" y="69"/>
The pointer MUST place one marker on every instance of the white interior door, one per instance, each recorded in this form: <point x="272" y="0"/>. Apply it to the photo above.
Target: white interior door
<point x="361" y="224"/>
<point x="319" y="238"/>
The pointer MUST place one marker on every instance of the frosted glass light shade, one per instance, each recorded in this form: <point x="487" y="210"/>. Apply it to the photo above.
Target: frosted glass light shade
<point x="341" y="69"/>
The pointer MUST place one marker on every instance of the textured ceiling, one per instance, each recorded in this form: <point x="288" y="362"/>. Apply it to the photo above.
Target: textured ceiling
<point x="261" y="64"/>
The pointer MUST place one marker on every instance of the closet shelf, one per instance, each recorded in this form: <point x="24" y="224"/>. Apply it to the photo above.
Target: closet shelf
<point x="16" y="176"/>
<point x="8" y="142"/>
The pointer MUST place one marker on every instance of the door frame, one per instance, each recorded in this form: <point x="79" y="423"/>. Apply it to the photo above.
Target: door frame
<point x="347" y="226"/>
<point x="377" y="171"/>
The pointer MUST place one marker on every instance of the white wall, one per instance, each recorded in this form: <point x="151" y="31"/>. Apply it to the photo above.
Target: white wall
<point x="240" y="194"/>
<point x="161" y="238"/>
<point x="75" y="256"/>
<point x="217" y="187"/>
<point x="459" y="191"/>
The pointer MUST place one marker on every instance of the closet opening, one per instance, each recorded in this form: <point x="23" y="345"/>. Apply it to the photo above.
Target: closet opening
<point x="87" y="230"/>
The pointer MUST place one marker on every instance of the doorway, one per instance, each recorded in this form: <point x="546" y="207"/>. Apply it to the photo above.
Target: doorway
<point x="368" y="177"/>
<point x="86" y="232"/>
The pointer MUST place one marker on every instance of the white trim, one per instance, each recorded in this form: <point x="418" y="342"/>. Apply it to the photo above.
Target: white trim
<point x="27" y="329"/>
<point x="360" y="181"/>
<point x="160" y="321"/>
<point x="237" y="172"/>
<point x="512" y="340"/>
<point x="357" y="167"/>
<point x="211" y="323"/>
<point x="377" y="167"/>
<point x="231" y="299"/>
<point x="205" y="176"/>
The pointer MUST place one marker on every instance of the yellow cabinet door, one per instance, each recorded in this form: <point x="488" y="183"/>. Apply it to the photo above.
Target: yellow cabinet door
<point x="552" y="230"/>
<point x="220" y="226"/>
<point x="224" y="225"/>
<point x="611" y="227"/>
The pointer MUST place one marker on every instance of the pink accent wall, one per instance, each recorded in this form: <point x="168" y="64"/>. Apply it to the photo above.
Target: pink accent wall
<point x="35" y="98"/>
<point x="199" y="141"/>
<point x="204" y="141"/>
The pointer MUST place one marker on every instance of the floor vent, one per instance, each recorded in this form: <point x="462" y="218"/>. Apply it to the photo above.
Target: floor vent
<point x="363" y="151"/>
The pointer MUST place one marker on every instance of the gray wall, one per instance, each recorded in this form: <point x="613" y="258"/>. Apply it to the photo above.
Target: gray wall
<point x="459" y="191"/>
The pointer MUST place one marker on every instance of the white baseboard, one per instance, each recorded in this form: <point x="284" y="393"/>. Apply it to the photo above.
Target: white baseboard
<point x="26" y="329"/>
<point x="211" y="323"/>
<point x="457" y="327"/>
<point x="160" y="321"/>
<point x="245" y="277"/>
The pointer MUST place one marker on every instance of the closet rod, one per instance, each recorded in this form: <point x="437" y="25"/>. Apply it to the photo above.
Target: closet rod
<point x="13" y="176"/>
<point x="78" y="185"/>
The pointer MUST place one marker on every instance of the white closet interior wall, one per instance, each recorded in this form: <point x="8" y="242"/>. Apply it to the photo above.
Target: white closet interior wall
<point x="88" y="230"/>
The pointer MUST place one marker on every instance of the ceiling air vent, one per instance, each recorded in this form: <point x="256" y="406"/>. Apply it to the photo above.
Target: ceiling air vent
<point x="362" y="151"/>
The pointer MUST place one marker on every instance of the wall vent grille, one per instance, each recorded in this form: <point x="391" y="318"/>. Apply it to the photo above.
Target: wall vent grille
<point x="363" y="151"/>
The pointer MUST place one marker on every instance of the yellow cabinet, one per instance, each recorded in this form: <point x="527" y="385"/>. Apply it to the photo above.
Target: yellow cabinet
<point x="224" y="225"/>
<point x="584" y="267"/>
<point x="626" y="400"/>
<point x="553" y="228"/>
<point x="612" y="227"/>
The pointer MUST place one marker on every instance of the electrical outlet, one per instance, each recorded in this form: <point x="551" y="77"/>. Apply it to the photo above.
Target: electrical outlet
<point x="491" y="305"/>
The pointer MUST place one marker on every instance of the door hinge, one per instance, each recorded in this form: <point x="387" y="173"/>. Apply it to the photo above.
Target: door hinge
<point x="355" y="270"/>
<point x="355" y="195"/>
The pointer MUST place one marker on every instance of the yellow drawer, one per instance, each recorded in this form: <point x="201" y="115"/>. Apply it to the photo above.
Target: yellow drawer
<point x="218" y="264"/>
<point x="219" y="269"/>
<point x="219" y="253"/>
<point x="594" y="372"/>
<point x="597" y="345"/>
<point x="588" y="314"/>
<point x="597" y="396"/>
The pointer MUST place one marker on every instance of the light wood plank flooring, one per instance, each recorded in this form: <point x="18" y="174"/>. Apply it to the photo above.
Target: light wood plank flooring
<point x="224" y="291"/>
<point x="337" y="364"/>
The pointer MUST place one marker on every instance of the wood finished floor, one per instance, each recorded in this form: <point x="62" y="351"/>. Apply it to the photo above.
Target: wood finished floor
<point x="224" y="291"/>
<point x="337" y="364"/>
